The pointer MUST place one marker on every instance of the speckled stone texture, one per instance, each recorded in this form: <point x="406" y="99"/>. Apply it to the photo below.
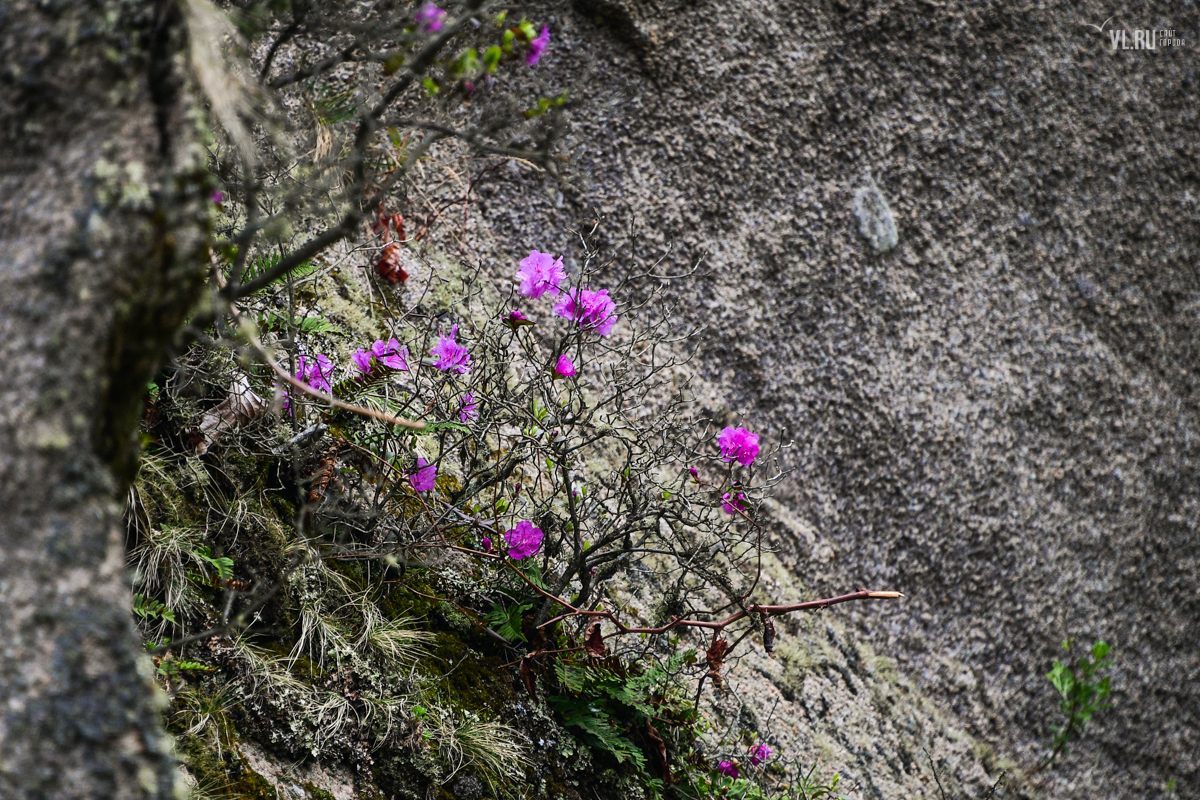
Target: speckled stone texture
<point x="999" y="416"/>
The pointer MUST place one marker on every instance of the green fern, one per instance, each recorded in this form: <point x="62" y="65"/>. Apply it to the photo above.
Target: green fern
<point x="223" y="566"/>
<point x="149" y="608"/>
<point x="599" y="730"/>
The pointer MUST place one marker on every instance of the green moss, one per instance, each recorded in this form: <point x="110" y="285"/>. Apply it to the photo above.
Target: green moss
<point x="316" y="793"/>
<point x="467" y="679"/>
<point x="227" y="770"/>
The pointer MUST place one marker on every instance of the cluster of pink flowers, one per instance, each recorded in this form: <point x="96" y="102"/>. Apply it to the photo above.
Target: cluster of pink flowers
<point x="739" y="443"/>
<point x="450" y="355"/>
<point x="316" y="371"/>
<point x="758" y="754"/>
<point x="592" y="310"/>
<point x="541" y="274"/>
<point x="523" y="540"/>
<point x="423" y="480"/>
<point x="391" y="354"/>
<point x="430" y="18"/>
<point x="731" y="503"/>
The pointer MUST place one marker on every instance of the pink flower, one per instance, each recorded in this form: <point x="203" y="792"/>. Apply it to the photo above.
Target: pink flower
<point x="450" y="355"/>
<point x="316" y="372"/>
<point x="759" y="753"/>
<point x="391" y="355"/>
<point x="362" y="360"/>
<point x="728" y="769"/>
<point x="540" y="274"/>
<point x="423" y="479"/>
<point x="739" y="443"/>
<point x="485" y="544"/>
<point x="695" y="474"/>
<point x="564" y="368"/>
<point x="523" y="540"/>
<point x="217" y="198"/>
<point x="515" y="319"/>
<point x="537" y="47"/>
<point x="468" y="410"/>
<point x="592" y="310"/>
<point x="429" y="18"/>
<point x="731" y="504"/>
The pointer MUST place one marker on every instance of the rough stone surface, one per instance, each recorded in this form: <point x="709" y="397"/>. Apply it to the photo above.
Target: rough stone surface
<point x="998" y="417"/>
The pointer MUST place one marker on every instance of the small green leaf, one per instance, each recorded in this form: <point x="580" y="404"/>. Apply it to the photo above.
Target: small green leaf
<point x="393" y="64"/>
<point x="491" y="58"/>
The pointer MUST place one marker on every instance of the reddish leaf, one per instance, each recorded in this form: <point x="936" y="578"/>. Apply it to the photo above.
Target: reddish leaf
<point x="716" y="659"/>
<point x="658" y="749"/>
<point x="398" y="224"/>
<point x="527" y="677"/>
<point x="388" y="265"/>
<point x="594" y="643"/>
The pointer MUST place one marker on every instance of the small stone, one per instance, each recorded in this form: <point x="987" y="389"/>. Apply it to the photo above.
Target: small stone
<point x="875" y="220"/>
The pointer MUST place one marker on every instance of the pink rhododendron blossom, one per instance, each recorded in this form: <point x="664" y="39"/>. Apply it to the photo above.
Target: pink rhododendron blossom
<point x="730" y="504"/>
<point x="485" y="544"/>
<point x="728" y="769"/>
<point x="423" y="480"/>
<point x="469" y="410"/>
<point x="739" y="443"/>
<point x="563" y="367"/>
<point x="362" y="360"/>
<point x="515" y="319"/>
<point x="759" y="753"/>
<point x="450" y="354"/>
<point x="429" y="18"/>
<point x="315" y="371"/>
<point x="217" y="198"/>
<point x="695" y="474"/>
<point x="540" y="274"/>
<point x="390" y="354"/>
<point x="592" y="310"/>
<point x="537" y="47"/>
<point x="523" y="540"/>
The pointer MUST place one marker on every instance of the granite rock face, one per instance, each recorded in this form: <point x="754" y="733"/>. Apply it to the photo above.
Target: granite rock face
<point x="1000" y="416"/>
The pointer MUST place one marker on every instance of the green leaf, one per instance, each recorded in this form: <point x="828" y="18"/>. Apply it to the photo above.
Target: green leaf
<point x="507" y="40"/>
<point x="507" y="621"/>
<point x="223" y="566"/>
<point x="431" y="86"/>
<point x="491" y="58"/>
<point x="527" y="30"/>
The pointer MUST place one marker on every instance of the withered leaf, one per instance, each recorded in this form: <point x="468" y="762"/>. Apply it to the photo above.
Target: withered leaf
<point x="715" y="657"/>
<point x="528" y="679"/>
<point x="241" y="406"/>
<point x="594" y="643"/>
<point x="388" y="265"/>
<point x="658" y="750"/>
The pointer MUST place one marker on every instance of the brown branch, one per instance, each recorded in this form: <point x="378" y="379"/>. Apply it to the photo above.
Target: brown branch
<point x="766" y="611"/>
